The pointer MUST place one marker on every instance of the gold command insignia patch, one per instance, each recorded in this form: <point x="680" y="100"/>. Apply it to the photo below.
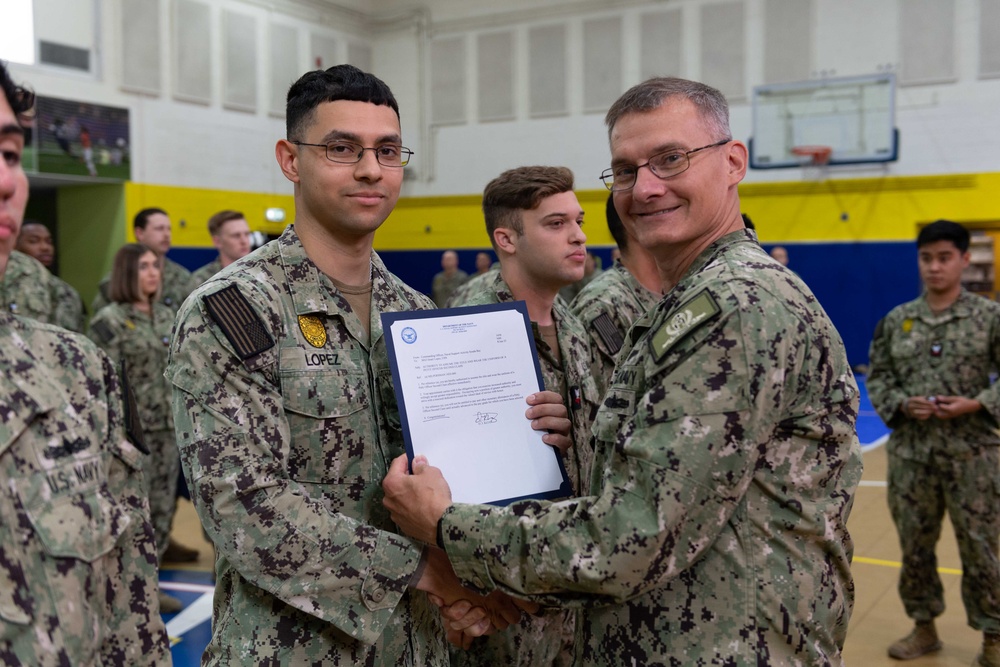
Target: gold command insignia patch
<point x="907" y="325"/>
<point x="312" y="328"/>
<point x="687" y="318"/>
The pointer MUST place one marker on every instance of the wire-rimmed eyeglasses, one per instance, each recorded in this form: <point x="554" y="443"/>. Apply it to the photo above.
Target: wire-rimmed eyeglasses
<point x="348" y="152"/>
<point x="663" y="165"/>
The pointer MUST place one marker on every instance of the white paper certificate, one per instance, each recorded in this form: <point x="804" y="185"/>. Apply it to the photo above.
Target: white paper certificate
<point x="461" y="376"/>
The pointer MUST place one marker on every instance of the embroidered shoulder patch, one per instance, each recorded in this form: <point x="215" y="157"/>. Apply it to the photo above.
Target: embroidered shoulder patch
<point x="688" y="317"/>
<point x="605" y="328"/>
<point x="239" y="322"/>
<point x="103" y="331"/>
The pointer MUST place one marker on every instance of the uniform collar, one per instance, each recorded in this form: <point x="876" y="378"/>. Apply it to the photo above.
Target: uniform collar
<point x="962" y="307"/>
<point x="313" y="292"/>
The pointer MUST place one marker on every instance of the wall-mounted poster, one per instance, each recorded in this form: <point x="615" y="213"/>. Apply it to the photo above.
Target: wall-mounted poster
<point x="79" y="139"/>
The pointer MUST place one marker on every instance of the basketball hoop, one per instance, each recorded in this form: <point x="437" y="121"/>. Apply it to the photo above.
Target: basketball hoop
<point x="818" y="155"/>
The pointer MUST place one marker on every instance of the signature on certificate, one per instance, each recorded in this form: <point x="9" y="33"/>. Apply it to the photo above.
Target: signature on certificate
<point x="486" y="418"/>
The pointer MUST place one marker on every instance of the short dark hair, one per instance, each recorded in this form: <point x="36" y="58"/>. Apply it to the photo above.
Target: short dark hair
<point x="142" y="217"/>
<point x="944" y="230"/>
<point x="521" y="189"/>
<point x="216" y="222"/>
<point x="124" y="284"/>
<point x="653" y="93"/>
<point x="20" y="99"/>
<point x="340" y="82"/>
<point x="615" y="225"/>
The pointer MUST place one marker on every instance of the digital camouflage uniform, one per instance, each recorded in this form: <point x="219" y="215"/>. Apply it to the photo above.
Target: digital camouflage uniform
<point x="547" y="639"/>
<point x="77" y="561"/>
<point x="943" y="464"/>
<point x="608" y="306"/>
<point x="570" y="292"/>
<point x="177" y="284"/>
<point x="25" y="288"/>
<point x="474" y="284"/>
<point x="287" y="423"/>
<point x="202" y="275"/>
<point x="67" y="306"/>
<point x="444" y="286"/>
<point x="725" y="471"/>
<point x="127" y="334"/>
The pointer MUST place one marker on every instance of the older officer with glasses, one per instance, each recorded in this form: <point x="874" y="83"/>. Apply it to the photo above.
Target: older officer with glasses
<point x="716" y="532"/>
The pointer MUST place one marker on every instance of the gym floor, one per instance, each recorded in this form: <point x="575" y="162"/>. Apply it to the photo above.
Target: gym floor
<point x="878" y="617"/>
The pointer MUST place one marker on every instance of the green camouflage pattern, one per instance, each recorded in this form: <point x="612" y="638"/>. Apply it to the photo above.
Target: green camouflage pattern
<point x="726" y="468"/>
<point x="67" y="306"/>
<point x="177" y="284"/>
<point x="141" y="341"/>
<point x="202" y="275"/>
<point x="476" y="283"/>
<point x="25" y="288"/>
<point x="617" y="294"/>
<point x="548" y="638"/>
<point x="443" y="286"/>
<point x="940" y="465"/>
<point x="284" y="453"/>
<point x="78" y="581"/>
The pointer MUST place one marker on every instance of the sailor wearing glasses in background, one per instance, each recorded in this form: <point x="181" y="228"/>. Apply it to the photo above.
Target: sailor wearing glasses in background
<point x="716" y="529"/>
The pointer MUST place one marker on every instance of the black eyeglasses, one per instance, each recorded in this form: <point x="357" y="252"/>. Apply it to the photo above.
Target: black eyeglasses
<point x="663" y="165"/>
<point x="347" y="152"/>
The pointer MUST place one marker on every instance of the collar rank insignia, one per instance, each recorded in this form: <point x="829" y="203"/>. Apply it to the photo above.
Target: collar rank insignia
<point x="687" y="318"/>
<point x="312" y="328"/>
<point x="907" y="325"/>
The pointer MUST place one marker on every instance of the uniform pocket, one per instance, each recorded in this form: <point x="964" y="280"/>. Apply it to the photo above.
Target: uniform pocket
<point x="329" y="420"/>
<point x="84" y="526"/>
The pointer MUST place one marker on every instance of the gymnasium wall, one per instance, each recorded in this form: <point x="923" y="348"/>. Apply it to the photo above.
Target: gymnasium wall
<point x="851" y="240"/>
<point x="483" y="88"/>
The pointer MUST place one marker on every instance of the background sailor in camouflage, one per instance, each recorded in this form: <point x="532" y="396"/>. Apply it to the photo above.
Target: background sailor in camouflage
<point x="77" y="560"/>
<point x="715" y="532"/>
<point x="25" y="289"/>
<point x="534" y="222"/>
<point x="231" y="237"/>
<point x="473" y="285"/>
<point x="447" y="281"/>
<point x="286" y="415"/>
<point x="616" y="298"/>
<point x="929" y="380"/>
<point x="135" y="330"/>
<point x="35" y="240"/>
<point x="152" y="229"/>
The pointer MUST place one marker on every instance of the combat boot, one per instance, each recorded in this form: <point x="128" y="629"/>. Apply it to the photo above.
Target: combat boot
<point x="989" y="656"/>
<point x="169" y="604"/>
<point x="923" y="639"/>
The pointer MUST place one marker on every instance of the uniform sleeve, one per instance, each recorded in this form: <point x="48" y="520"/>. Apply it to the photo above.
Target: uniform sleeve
<point x="677" y="470"/>
<point x="136" y="635"/>
<point x="990" y="396"/>
<point x="769" y="398"/>
<point x="104" y="331"/>
<point x="885" y="388"/>
<point x="235" y="445"/>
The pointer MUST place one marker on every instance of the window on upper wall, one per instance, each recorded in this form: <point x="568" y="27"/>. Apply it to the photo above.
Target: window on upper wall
<point x="17" y="32"/>
<point x="53" y="33"/>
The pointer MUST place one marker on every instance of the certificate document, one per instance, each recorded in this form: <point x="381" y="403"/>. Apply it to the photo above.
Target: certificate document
<point x="461" y="376"/>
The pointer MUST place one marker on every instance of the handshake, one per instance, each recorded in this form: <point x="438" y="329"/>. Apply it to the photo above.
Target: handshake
<point x="467" y="614"/>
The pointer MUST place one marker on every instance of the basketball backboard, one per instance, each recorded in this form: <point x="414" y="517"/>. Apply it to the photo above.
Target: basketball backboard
<point x="854" y="116"/>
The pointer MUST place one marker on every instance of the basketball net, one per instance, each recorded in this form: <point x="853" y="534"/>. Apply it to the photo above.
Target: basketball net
<point x="815" y="161"/>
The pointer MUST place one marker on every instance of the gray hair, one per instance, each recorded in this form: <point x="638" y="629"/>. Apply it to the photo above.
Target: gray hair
<point x="652" y="93"/>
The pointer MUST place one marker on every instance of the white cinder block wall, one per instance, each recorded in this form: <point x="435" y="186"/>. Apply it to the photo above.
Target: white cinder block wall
<point x="566" y="59"/>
